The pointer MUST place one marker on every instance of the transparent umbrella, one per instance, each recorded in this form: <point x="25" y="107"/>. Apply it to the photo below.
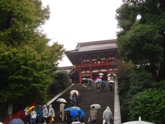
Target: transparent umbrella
<point x="16" y="121"/>
<point x="101" y="74"/>
<point x="74" y="91"/>
<point x="138" y="122"/>
<point x="97" y="106"/>
<point x="61" y="100"/>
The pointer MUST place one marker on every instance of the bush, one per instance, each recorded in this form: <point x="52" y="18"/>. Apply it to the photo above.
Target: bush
<point x="61" y="81"/>
<point x="150" y="105"/>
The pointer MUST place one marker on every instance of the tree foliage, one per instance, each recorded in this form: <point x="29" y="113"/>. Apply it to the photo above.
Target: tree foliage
<point x="27" y="63"/>
<point x="142" y="41"/>
<point x="131" y="81"/>
<point x="150" y="105"/>
<point x="61" y="81"/>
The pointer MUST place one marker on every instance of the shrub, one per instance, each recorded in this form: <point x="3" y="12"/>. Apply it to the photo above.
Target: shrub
<point x="150" y="105"/>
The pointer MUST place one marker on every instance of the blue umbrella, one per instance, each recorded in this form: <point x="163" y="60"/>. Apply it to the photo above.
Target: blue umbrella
<point x="75" y="112"/>
<point x="16" y="121"/>
<point x="72" y="108"/>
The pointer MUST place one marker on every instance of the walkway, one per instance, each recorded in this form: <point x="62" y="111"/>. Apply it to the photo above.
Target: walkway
<point x="86" y="99"/>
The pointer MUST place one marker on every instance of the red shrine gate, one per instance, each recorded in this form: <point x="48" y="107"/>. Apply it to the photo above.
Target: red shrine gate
<point x="91" y="58"/>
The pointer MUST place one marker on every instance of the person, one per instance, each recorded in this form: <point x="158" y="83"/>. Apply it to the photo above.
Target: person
<point x="27" y="115"/>
<point x="73" y="99"/>
<point x="39" y="114"/>
<point x="68" y="118"/>
<point x="62" y="106"/>
<point x="45" y="114"/>
<point x="78" y="117"/>
<point x="33" y="116"/>
<point x="84" y="87"/>
<point x="98" y="87"/>
<point x="51" y="114"/>
<point x="89" y="85"/>
<point x="103" y="86"/>
<point x="107" y="115"/>
<point x="93" y="115"/>
<point x="111" y="86"/>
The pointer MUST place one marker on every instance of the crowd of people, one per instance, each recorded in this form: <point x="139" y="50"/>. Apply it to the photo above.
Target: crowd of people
<point x="39" y="115"/>
<point x="43" y="114"/>
<point x="100" y="84"/>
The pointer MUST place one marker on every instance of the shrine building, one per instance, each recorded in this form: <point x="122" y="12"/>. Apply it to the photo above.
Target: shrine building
<point x="89" y="59"/>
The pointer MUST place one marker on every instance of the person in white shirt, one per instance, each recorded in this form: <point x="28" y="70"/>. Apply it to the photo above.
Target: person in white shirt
<point x="33" y="116"/>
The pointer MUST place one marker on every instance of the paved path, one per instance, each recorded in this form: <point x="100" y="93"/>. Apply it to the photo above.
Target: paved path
<point x="85" y="100"/>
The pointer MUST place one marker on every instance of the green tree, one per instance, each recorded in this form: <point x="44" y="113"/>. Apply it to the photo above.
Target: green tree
<point x="61" y="81"/>
<point x="142" y="41"/>
<point x="27" y="63"/>
<point x="130" y="82"/>
<point x="150" y="105"/>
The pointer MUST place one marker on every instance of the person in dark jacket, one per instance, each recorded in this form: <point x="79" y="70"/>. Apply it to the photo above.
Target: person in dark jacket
<point x="39" y="114"/>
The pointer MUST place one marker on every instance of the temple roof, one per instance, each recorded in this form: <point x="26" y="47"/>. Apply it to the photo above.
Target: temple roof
<point x="66" y="68"/>
<point x="94" y="46"/>
<point x="91" y="48"/>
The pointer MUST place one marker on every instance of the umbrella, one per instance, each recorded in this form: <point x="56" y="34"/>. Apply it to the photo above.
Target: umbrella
<point x="97" y="106"/>
<point x="16" y="121"/>
<point x="75" y="112"/>
<point x="30" y="109"/>
<point x="74" y="91"/>
<point x="101" y="74"/>
<point x="98" y="80"/>
<point x="72" y="108"/>
<point x="61" y="100"/>
<point x="87" y="79"/>
<point x="137" y="122"/>
<point x="111" y="81"/>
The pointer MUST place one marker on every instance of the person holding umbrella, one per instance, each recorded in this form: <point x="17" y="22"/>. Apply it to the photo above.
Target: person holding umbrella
<point x="93" y="115"/>
<point x="62" y="106"/>
<point x="27" y="115"/>
<point x="33" y="116"/>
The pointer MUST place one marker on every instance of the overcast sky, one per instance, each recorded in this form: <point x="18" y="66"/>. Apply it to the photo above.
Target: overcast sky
<point x="75" y="21"/>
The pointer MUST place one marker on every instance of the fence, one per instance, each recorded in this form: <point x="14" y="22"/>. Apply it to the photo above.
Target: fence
<point x="20" y="114"/>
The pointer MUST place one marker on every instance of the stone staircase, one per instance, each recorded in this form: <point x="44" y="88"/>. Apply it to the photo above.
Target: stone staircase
<point x="85" y="100"/>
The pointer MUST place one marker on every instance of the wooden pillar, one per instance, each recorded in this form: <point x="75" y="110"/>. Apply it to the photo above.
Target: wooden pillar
<point x="91" y="77"/>
<point x="80" y="75"/>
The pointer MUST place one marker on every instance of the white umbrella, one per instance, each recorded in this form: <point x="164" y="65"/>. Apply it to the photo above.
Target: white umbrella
<point x="101" y="74"/>
<point x="97" y="106"/>
<point x="61" y="100"/>
<point x="138" y="122"/>
<point x="111" y="74"/>
<point x="98" y="80"/>
<point x="111" y="81"/>
<point x="74" y="91"/>
<point x="87" y="79"/>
